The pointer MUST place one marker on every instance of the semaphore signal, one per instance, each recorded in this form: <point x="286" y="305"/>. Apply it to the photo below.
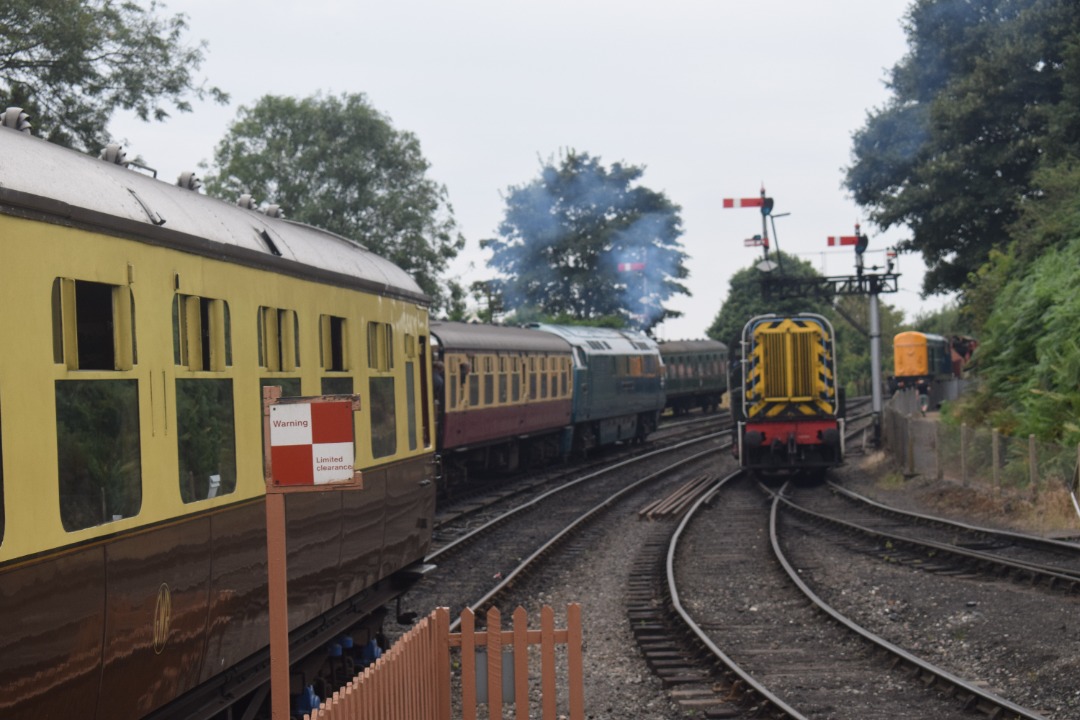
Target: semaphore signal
<point x="766" y="204"/>
<point x="835" y="240"/>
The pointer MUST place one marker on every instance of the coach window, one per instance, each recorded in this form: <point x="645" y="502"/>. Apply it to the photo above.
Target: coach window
<point x="489" y="381"/>
<point x="93" y="325"/>
<point x="205" y="432"/>
<point x="381" y="403"/>
<point x="410" y="387"/>
<point x="205" y="428"/>
<point x="515" y="380"/>
<point x="543" y="378"/>
<point x="278" y="339"/>
<point x="532" y="379"/>
<point x="279" y="351"/>
<point x="474" y="382"/>
<point x="93" y="333"/>
<point x="452" y="379"/>
<point x="333" y="356"/>
<point x="504" y="366"/>
<point x="1" y="478"/>
<point x="201" y="339"/>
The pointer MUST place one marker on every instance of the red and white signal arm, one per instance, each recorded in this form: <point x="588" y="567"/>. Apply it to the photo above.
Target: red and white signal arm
<point x="310" y="442"/>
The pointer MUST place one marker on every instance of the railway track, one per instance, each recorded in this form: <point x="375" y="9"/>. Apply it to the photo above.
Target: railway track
<point x="939" y="544"/>
<point x="480" y="555"/>
<point x="479" y="494"/>
<point x="764" y="627"/>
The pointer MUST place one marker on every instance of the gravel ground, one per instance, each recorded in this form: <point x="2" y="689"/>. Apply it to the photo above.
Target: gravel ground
<point x="1023" y="643"/>
<point x="955" y="623"/>
<point x="618" y="683"/>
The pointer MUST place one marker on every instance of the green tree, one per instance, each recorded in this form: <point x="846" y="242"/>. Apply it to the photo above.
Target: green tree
<point x="987" y="89"/>
<point x="72" y="63"/>
<point x="565" y="235"/>
<point x="339" y="164"/>
<point x="746" y="298"/>
<point x="1028" y="359"/>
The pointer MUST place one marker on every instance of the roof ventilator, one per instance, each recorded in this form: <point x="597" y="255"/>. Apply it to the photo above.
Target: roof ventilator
<point x="188" y="181"/>
<point x="114" y="153"/>
<point x="16" y="119"/>
<point x="247" y="202"/>
<point x="273" y="211"/>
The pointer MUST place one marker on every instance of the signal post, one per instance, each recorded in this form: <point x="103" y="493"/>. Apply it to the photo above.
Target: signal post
<point x="861" y="283"/>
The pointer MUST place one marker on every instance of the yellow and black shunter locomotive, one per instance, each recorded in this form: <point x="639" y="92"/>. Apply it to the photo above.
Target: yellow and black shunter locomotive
<point x="789" y="410"/>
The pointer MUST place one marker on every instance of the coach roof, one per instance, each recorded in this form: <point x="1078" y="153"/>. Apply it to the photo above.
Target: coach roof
<point x="45" y="181"/>
<point x="457" y="336"/>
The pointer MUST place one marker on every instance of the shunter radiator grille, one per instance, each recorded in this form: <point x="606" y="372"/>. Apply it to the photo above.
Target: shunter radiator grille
<point x="790" y="360"/>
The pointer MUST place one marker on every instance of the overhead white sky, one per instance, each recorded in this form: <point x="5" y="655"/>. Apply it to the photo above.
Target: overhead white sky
<point x="713" y="97"/>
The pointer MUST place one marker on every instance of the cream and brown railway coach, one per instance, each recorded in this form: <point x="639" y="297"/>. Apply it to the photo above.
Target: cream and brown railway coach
<point x="140" y="322"/>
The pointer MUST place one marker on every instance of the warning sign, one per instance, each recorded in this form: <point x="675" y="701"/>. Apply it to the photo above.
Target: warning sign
<point x="311" y="443"/>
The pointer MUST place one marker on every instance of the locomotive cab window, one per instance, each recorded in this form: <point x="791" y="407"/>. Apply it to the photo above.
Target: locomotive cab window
<point x="97" y="396"/>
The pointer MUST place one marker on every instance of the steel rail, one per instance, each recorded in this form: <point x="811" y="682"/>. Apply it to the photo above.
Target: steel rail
<point x="747" y="679"/>
<point x="1012" y="535"/>
<point x="581" y="520"/>
<point x="983" y="700"/>
<point x="494" y="522"/>
<point x="1051" y="573"/>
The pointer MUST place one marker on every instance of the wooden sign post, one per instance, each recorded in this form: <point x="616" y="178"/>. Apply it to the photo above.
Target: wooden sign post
<point x="308" y="446"/>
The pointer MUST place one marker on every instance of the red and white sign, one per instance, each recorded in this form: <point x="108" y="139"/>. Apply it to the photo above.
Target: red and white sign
<point x="627" y="267"/>
<point x="311" y="443"/>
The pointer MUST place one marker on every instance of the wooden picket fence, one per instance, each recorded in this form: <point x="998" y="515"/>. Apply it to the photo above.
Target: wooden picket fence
<point x="413" y="680"/>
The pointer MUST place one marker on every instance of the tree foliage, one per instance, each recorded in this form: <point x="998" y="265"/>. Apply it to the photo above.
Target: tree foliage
<point x="850" y="317"/>
<point x="746" y="298"/>
<point x="564" y="235"/>
<point x="339" y="164"/>
<point x="987" y="90"/>
<point x="1028" y="360"/>
<point x="72" y="63"/>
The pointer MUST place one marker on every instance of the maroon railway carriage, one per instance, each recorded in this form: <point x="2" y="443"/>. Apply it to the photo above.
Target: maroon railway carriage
<point x="506" y="398"/>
